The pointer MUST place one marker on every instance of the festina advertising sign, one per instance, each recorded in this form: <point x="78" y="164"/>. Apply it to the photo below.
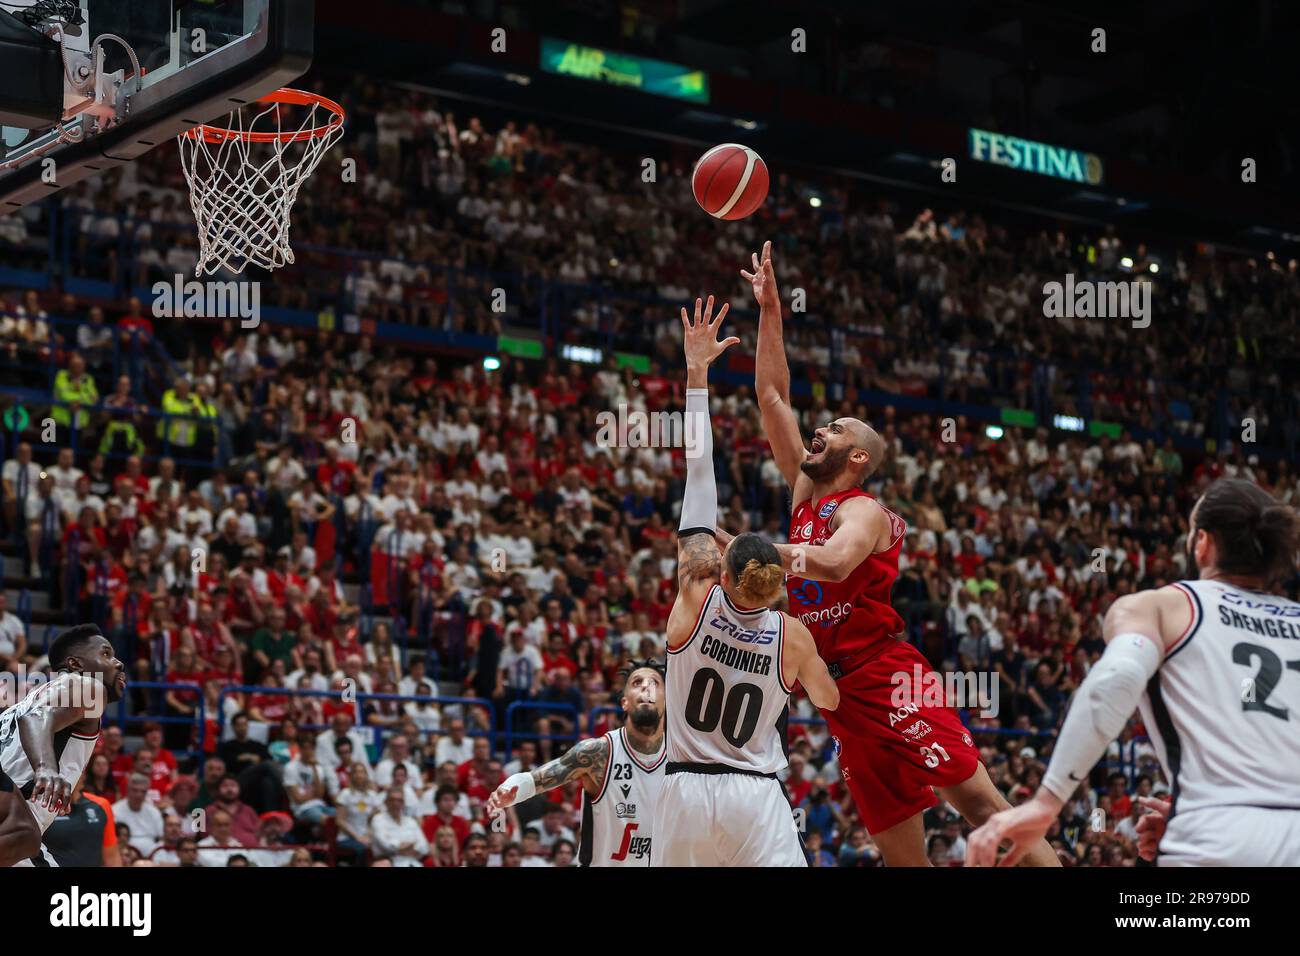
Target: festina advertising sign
<point x="1031" y="157"/>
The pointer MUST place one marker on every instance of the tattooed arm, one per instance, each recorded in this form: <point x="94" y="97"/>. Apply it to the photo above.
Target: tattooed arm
<point x="586" y="762"/>
<point x="699" y="567"/>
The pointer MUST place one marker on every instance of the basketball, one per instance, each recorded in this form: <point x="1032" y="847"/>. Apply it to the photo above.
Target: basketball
<point x="730" y="181"/>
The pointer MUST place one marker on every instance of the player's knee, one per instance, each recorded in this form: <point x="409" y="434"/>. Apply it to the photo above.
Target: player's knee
<point x="978" y="807"/>
<point x="30" y="840"/>
<point x="24" y="837"/>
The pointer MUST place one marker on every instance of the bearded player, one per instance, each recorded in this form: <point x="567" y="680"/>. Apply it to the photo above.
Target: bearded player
<point x="1210" y="663"/>
<point x="616" y="826"/>
<point x="842" y="561"/>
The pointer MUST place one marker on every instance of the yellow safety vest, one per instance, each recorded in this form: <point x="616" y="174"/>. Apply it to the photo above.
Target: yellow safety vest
<point x="67" y="391"/>
<point x="180" y="431"/>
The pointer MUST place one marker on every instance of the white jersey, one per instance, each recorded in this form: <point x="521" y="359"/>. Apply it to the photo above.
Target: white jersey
<point x="618" y="823"/>
<point x="726" y="694"/>
<point x="72" y="750"/>
<point x="1223" y="710"/>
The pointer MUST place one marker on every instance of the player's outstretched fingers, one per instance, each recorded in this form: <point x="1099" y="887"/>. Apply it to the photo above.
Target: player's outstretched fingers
<point x="982" y="849"/>
<point x="975" y="847"/>
<point x="1015" y="853"/>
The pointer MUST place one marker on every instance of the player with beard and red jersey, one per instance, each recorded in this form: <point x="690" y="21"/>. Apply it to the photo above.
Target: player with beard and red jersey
<point x="841" y="564"/>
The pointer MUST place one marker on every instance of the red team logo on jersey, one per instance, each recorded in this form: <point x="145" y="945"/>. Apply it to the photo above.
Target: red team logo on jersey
<point x="633" y="846"/>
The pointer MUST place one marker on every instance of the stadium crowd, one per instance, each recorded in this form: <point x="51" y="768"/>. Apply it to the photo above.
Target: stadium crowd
<point x="337" y="514"/>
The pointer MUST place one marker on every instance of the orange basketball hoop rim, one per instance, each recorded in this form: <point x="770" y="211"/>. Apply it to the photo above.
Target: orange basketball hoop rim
<point x="216" y="134"/>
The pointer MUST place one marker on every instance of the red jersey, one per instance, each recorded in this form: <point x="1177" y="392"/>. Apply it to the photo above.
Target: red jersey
<point x="855" y="615"/>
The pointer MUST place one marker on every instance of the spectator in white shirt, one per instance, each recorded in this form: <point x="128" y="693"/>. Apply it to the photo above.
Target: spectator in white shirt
<point x="65" y="473"/>
<point x="13" y="638"/>
<point x="220" y="844"/>
<point x="394" y="835"/>
<point x="309" y="676"/>
<point x="20" y="475"/>
<point x="553" y="828"/>
<point x="245" y="520"/>
<point x="308" y="783"/>
<point x="454" y="746"/>
<point x="143" y="818"/>
<point x="356" y="804"/>
<point x="341" y="725"/>
<point x="452" y="435"/>
<point x="399" y="754"/>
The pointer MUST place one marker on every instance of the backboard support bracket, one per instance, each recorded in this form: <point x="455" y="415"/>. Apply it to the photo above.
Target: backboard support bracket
<point x="272" y="56"/>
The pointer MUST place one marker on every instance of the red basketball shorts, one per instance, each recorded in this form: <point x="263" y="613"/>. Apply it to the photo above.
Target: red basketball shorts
<point x="891" y="756"/>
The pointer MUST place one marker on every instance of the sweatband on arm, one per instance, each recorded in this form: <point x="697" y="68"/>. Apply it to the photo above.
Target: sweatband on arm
<point x="700" y="500"/>
<point x="1102" y="706"/>
<point x="527" y="787"/>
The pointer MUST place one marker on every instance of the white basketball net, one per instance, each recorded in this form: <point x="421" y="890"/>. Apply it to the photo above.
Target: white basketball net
<point x="242" y="190"/>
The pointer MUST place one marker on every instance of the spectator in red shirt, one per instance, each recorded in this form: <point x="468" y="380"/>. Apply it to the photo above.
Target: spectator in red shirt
<point x="968" y="561"/>
<point x="207" y="633"/>
<point x="472" y="775"/>
<point x="134" y="321"/>
<point x="160" y="778"/>
<point x="320" y="616"/>
<point x="282" y="575"/>
<point x="162" y="758"/>
<point x="445" y="799"/>
<point x="1121" y="804"/>
<point x="646" y="602"/>
<point x="556" y="657"/>
<point x="796" y="786"/>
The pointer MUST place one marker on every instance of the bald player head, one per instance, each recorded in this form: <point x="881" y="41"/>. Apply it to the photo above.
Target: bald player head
<point x="844" y="453"/>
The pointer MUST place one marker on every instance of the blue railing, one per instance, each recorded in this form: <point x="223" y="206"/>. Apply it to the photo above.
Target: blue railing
<point x="131" y="352"/>
<point x="361" y="697"/>
<point x="199" y="719"/>
<point x="519" y="705"/>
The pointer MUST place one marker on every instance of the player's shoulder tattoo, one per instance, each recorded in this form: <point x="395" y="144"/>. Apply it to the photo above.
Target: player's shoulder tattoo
<point x="698" y="558"/>
<point x="588" y="757"/>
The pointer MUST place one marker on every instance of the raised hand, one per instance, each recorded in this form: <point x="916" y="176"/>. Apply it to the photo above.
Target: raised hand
<point x="700" y="337"/>
<point x="763" y="279"/>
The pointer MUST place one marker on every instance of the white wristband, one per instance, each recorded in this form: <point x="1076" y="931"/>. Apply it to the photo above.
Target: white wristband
<point x="527" y="787"/>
